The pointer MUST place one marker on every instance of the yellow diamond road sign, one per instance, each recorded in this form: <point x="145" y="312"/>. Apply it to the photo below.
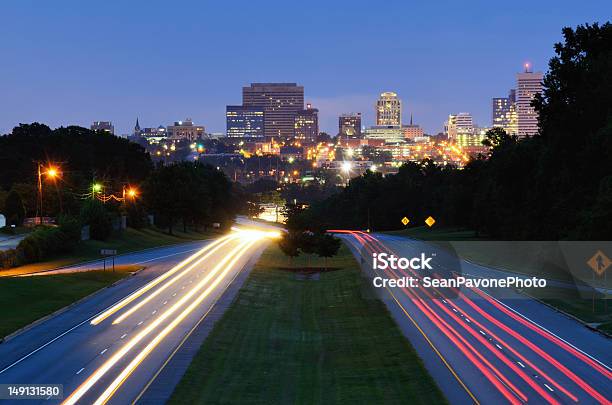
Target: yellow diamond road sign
<point x="430" y="221"/>
<point x="599" y="262"/>
<point x="405" y="221"/>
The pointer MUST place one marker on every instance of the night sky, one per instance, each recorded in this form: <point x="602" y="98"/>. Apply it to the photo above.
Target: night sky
<point x="73" y="62"/>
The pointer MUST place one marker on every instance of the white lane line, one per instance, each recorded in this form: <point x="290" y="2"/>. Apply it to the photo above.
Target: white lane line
<point x="468" y="320"/>
<point x="552" y="333"/>
<point x="124" y="335"/>
<point x="183" y="287"/>
<point x="140" y="323"/>
<point x="520" y="364"/>
<point x="79" y="372"/>
<point x="548" y="386"/>
<point x="498" y="346"/>
<point x="103" y="351"/>
<point x="444" y="301"/>
<point x="174" y="295"/>
<point x="483" y="334"/>
<point x="165" y="302"/>
<point x="154" y="312"/>
<point x="454" y="309"/>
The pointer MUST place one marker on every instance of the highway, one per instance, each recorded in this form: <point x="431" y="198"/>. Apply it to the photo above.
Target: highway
<point x="108" y="347"/>
<point x="482" y="346"/>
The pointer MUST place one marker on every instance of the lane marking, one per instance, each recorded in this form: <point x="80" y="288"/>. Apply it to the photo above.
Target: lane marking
<point x="124" y="335"/>
<point x="548" y="386"/>
<point x="483" y="334"/>
<point x="79" y="372"/>
<point x="140" y="323"/>
<point x="165" y="302"/>
<point x="103" y="351"/>
<point x="520" y="364"/>
<point x="154" y="312"/>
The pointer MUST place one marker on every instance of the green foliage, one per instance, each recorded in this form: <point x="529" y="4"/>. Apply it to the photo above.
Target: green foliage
<point x="94" y="214"/>
<point x="192" y="193"/>
<point x="289" y="244"/>
<point x="322" y="244"/>
<point x="46" y="242"/>
<point x="14" y="209"/>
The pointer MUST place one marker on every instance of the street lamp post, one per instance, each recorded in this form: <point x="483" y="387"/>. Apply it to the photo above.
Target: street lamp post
<point x="52" y="173"/>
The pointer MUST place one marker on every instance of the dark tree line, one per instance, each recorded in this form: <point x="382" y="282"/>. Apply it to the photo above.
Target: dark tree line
<point x="556" y="185"/>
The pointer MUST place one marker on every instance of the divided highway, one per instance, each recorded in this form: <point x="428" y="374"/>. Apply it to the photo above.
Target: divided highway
<point x="107" y="348"/>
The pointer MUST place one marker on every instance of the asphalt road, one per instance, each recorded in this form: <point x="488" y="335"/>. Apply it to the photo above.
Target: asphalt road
<point x="489" y="346"/>
<point x="110" y="345"/>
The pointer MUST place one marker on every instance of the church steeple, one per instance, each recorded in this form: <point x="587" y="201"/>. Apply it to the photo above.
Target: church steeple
<point x="410" y="118"/>
<point x="137" y="128"/>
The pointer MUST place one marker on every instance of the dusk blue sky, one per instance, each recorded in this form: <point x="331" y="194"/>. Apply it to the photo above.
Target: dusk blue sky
<point x="73" y="62"/>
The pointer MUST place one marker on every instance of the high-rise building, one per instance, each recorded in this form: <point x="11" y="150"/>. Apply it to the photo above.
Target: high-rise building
<point x="503" y="113"/>
<point x="244" y="121"/>
<point x="412" y="131"/>
<point x="349" y="125"/>
<point x="281" y="103"/>
<point x="185" y="130"/>
<point x="528" y="84"/>
<point x="105" y="126"/>
<point x="388" y="110"/>
<point x="459" y="124"/>
<point x="306" y="124"/>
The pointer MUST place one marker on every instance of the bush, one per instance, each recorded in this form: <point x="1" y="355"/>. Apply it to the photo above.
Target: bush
<point x="95" y="215"/>
<point x="46" y="242"/>
<point x="8" y="259"/>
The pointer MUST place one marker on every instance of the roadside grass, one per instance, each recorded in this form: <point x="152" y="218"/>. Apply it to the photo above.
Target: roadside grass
<point x="593" y="311"/>
<point x="321" y="338"/>
<point x="130" y="240"/>
<point x="26" y="299"/>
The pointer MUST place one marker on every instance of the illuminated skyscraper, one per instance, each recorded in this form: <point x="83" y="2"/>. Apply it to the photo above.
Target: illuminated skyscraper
<point x="389" y="110"/>
<point x="504" y="113"/>
<point x="244" y="122"/>
<point x="281" y="103"/>
<point x="306" y="124"/>
<point x="349" y="125"/>
<point x="528" y="85"/>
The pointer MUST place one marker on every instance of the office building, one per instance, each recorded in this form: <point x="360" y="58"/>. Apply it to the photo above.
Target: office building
<point x="504" y="113"/>
<point x="154" y="135"/>
<point x="459" y="124"/>
<point x="281" y="103"/>
<point x="349" y="125"/>
<point x="244" y="121"/>
<point x="528" y="84"/>
<point x="185" y="130"/>
<point x="388" y="134"/>
<point x="104" y="126"/>
<point x="306" y="124"/>
<point x="388" y="110"/>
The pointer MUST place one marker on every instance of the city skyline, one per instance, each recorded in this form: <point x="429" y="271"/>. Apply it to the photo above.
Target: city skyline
<point x="97" y="72"/>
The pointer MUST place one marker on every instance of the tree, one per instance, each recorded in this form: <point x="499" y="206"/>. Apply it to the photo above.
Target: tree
<point x="289" y="244"/>
<point x="14" y="209"/>
<point x="94" y="214"/>
<point x="327" y="246"/>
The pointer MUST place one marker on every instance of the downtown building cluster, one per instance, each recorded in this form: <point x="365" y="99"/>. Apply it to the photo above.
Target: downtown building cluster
<point x="274" y="120"/>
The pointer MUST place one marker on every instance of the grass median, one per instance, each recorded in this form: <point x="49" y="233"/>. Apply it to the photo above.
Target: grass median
<point x="303" y="337"/>
<point x="27" y="299"/>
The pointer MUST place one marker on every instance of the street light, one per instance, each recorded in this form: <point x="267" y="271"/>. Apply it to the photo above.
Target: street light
<point x="347" y="166"/>
<point x="51" y="172"/>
